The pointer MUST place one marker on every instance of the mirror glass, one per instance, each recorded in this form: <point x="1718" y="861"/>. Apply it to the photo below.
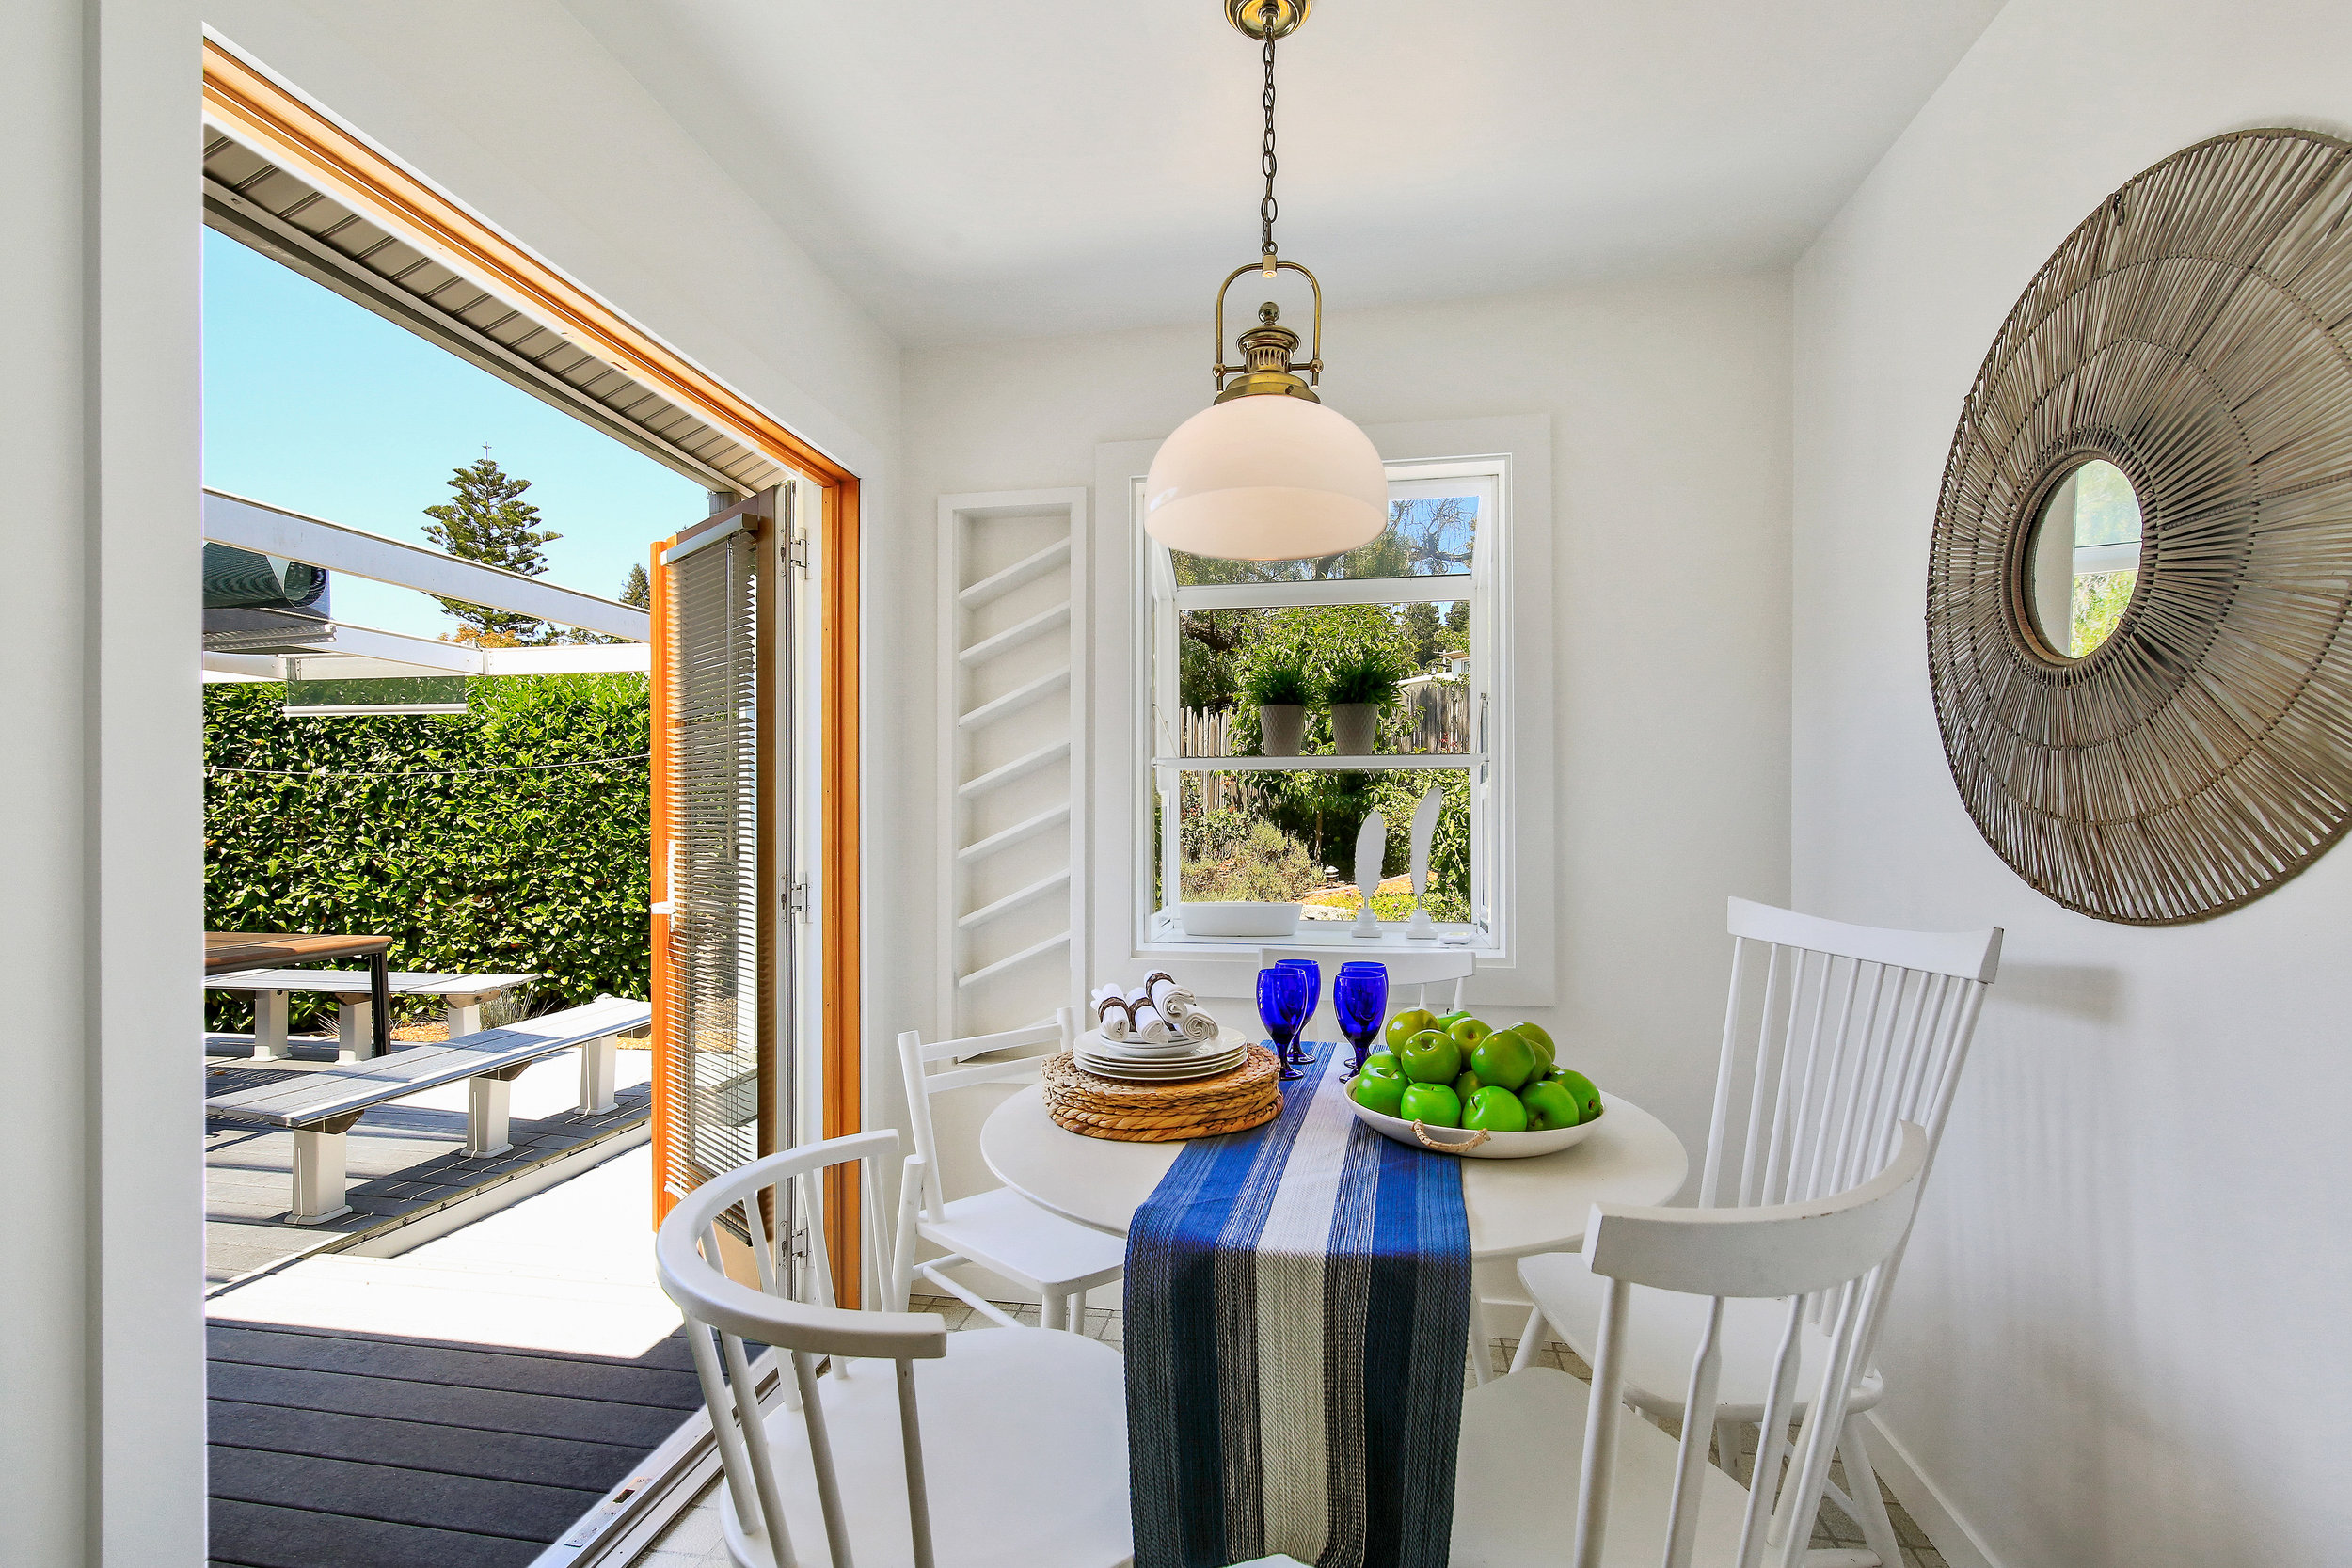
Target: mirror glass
<point x="2083" y="558"/>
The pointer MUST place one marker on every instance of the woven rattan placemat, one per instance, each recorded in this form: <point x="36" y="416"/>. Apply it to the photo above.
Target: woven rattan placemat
<point x="1095" y="1107"/>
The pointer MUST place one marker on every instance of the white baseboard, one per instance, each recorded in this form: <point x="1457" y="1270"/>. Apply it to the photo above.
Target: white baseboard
<point x="1962" y="1547"/>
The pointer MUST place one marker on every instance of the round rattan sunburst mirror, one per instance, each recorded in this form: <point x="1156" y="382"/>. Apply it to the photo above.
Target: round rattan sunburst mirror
<point x="2183" y="745"/>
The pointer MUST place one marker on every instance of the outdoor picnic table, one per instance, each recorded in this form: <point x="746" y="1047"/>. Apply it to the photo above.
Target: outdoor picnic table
<point x="232" y="951"/>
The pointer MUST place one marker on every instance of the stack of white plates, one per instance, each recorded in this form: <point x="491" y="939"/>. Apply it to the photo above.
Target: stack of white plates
<point x="1136" y="1062"/>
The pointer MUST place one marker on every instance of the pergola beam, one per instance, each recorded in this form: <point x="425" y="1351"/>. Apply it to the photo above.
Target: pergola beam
<point x="270" y="531"/>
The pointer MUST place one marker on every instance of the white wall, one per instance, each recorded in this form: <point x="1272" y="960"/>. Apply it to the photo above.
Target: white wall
<point x="1667" y="403"/>
<point x="101" y="1355"/>
<point x="516" y="109"/>
<point x="2120" y="1335"/>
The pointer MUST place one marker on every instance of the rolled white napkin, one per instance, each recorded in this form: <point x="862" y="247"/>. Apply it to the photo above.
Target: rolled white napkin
<point x="1151" y="1027"/>
<point x="1110" y="1012"/>
<point x="1197" y="1026"/>
<point x="1173" y="999"/>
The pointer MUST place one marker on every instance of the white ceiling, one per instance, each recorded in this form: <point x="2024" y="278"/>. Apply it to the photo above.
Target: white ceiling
<point x="975" y="169"/>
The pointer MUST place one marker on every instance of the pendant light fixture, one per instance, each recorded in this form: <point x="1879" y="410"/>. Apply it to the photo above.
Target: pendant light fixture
<point x="1267" y="472"/>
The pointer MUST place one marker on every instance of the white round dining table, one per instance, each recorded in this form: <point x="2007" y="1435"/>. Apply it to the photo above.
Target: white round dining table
<point x="1515" y="1207"/>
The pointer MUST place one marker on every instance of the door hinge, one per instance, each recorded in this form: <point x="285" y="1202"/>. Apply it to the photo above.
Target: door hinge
<point x="796" y="553"/>
<point x="796" y="900"/>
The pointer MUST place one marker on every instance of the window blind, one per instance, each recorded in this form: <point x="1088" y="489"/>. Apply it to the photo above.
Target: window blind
<point x="725" y="1079"/>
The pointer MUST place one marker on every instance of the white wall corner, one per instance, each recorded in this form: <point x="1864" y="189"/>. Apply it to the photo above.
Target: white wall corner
<point x="1925" y="1501"/>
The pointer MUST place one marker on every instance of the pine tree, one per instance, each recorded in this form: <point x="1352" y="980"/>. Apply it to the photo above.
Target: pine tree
<point x="487" y="520"/>
<point x="637" y="590"/>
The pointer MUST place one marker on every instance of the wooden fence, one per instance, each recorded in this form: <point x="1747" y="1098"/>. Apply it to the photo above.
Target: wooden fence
<point x="1439" y="711"/>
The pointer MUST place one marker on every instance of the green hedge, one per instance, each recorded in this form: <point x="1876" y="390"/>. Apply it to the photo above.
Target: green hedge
<point x="390" y="824"/>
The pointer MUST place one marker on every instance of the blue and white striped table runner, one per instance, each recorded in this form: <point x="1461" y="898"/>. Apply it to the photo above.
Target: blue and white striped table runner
<point x="1298" y="1310"/>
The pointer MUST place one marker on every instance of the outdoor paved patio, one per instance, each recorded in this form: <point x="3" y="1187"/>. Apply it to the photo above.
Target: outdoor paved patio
<point x="405" y="1160"/>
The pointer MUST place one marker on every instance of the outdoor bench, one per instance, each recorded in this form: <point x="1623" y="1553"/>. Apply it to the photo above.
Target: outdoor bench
<point x="321" y="1106"/>
<point x="463" y="994"/>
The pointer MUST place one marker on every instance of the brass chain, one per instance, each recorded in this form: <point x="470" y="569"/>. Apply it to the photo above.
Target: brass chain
<point x="1267" y="208"/>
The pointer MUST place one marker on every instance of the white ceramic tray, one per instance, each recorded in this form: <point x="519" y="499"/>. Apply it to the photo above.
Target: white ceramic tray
<point x="1466" y="1143"/>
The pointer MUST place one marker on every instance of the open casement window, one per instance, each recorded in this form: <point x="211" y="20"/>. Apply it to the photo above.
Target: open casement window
<point x="731" y="1081"/>
<point x="1221" y="822"/>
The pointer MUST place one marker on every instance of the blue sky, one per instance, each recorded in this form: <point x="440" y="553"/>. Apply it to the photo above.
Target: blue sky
<point x="317" y="405"/>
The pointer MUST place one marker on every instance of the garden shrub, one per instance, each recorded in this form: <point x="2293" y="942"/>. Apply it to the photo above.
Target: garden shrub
<point x="389" y="823"/>
<point x="1249" y="861"/>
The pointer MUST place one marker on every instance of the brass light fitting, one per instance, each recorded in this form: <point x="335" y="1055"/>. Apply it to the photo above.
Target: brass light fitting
<point x="1266" y="367"/>
<point x="1261" y="19"/>
<point x="1266" y="364"/>
<point x="1267" y="472"/>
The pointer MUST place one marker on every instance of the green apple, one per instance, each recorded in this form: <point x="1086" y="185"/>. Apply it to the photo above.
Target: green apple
<point x="1467" y="1084"/>
<point x="1430" y="1057"/>
<point x="1505" y="1059"/>
<point x="1587" y="1097"/>
<point x="1496" y="1109"/>
<point x="1383" y="1063"/>
<point x="1434" y="1104"/>
<point x="1538" y="1042"/>
<point x="1405" y="1025"/>
<point x="1377" y="1092"/>
<point x="1468" y="1032"/>
<point x="1447" y="1020"/>
<point x="1550" y="1106"/>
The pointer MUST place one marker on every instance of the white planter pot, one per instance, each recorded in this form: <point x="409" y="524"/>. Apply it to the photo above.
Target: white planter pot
<point x="1281" y="728"/>
<point x="1355" y="727"/>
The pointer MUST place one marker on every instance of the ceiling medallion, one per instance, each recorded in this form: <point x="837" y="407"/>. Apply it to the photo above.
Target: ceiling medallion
<point x="1267" y="472"/>
<point x="2142" y="555"/>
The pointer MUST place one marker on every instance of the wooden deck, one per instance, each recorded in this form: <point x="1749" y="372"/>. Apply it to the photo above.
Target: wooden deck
<point x="369" y="1451"/>
<point x="458" y="1406"/>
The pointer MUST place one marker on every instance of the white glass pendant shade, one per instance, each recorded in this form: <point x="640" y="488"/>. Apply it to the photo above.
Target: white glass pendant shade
<point x="1266" y="477"/>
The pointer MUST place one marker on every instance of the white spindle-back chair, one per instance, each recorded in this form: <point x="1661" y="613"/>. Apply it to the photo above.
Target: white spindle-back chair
<point x="1642" y="1499"/>
<point x="1834" y="1035"/>
<point x="1010" y="1448"/>
<point x="999" y="1229"/>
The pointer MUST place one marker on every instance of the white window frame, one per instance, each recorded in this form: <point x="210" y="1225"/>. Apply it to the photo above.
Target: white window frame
<point x="1163" y="607"/>
<point x="1512" y="826"/>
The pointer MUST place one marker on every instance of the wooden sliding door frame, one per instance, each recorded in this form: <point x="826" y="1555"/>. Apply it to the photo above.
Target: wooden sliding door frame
<point x="302" y="137"/>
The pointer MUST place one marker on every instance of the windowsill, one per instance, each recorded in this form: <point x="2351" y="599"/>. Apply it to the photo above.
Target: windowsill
<point x="1323" y="764"/>
<point x="1338" y="935"/>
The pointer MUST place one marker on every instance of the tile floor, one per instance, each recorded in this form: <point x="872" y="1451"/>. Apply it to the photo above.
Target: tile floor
<point x="693" y="1540"/>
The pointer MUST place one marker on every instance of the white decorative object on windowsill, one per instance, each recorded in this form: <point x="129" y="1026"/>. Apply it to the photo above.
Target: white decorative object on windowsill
<point x="1371" y="841"/>
<point x="1425" y="830"/>
<point x="1239" y="919"/>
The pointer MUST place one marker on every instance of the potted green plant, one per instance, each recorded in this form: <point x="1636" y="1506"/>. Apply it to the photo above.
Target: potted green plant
<point x="1281" y="685"/>
<point x="1361" y="682"/>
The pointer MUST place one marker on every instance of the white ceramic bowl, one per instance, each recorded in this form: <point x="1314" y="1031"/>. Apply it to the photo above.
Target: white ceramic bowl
<point x="1498" y="1146"/>
<point x="1239" y="920"/>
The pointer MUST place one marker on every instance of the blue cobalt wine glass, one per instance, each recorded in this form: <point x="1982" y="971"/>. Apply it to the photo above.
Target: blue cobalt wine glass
<point x="1283" y="1007"/>
<point x="1302" y="1053"/>
<point x="1361" y="998"/>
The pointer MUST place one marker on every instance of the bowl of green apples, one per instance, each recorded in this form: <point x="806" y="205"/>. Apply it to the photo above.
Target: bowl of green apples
<point x="1453" y="1085"/>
